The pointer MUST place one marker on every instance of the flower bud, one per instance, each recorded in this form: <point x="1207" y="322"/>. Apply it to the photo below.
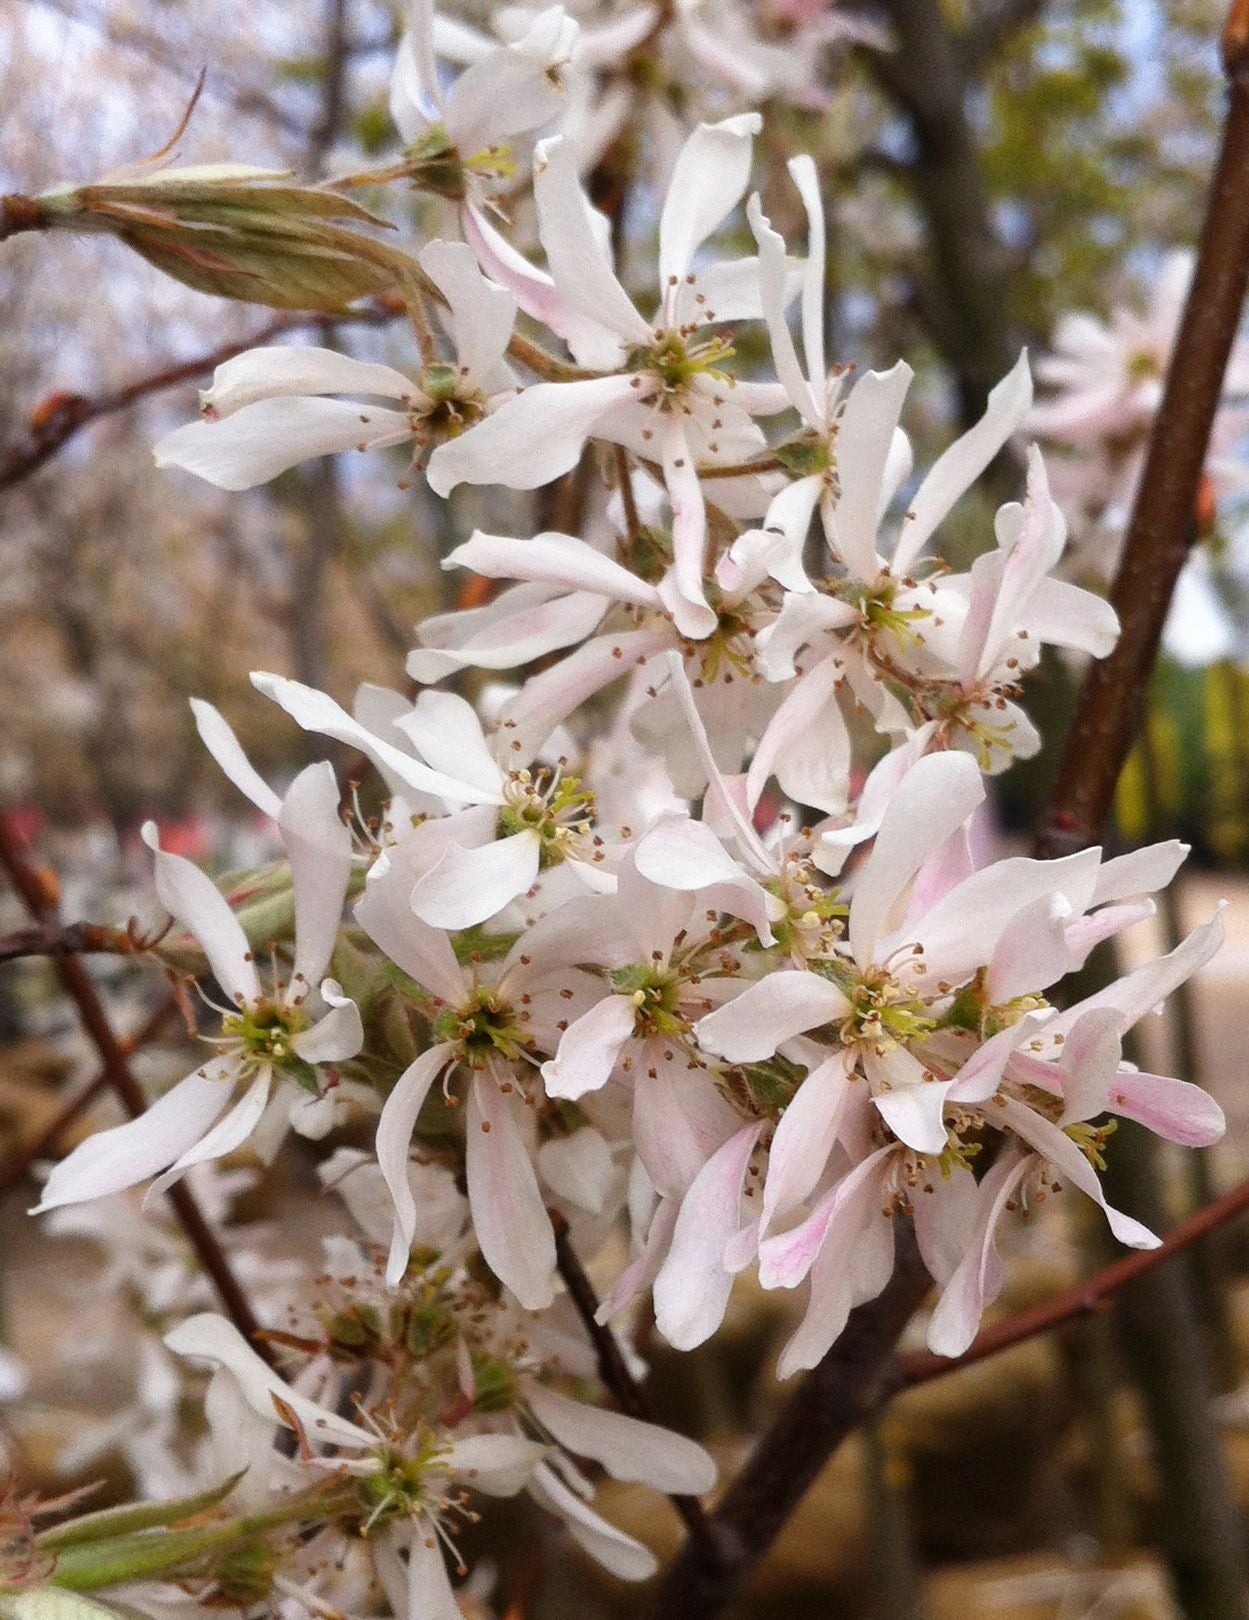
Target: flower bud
<point x="232" y="230"/>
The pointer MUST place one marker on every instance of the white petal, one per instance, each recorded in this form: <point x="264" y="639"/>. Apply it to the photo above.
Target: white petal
<point x="1172" y="1109"/>
<point x="958" y="468"/>
<point x="1142" y="871"/>
<point x="229" y="1133"/>
<point x="445" y="731"/>
<point x="806" y="745"/>
<point x="912" y="1106"/>
<point x="575" y="248"/>
<point x="618" y="1553"/>
<point x="935" y="796"/>
<point x="480" y="314"/>
<point x="468" y="886"/>
<point x="976" y="1281"/>
<point x="109" y="1161"/>
<point x="1063" y="615"/>
<point x="686" y="855"/>
<point x="499" y="1464"/>
<point x="521" y="624"/>
<point x="394" y="1141"/>
<point x="865" y="436"/>
<point x="549" y="698"/>
<point x="531" y="439"/>
<point x="753" y="1025"/>
<point x="590" y="1048"/>
<point x="317" y="712"/>
<point x="803" y="173"/>
<point x="415" y="93"/>
<point x="1061" y="1152"/>
<point x="290" y="370"/>
<point x="784" y="1260"/>
<point x="680" y="1118"/>
<point x="1138" y="992"/>
<point x="630" y="1450"/>
<point x="258" y="442"/>
<point x="424" y="953"/>
<point x="805" y="1137"/>
<point x="694" y="1283"/>
<point x="194" y="899"/>
<point x="214" y="1339"/>
<point x="682" y="589"/>
<point x="318" y="846"/>
<point x="338" y="1035"/>
<point x="1031" y="952"/>
<point x="218" y="737"/>
<point x="553" y="559"/>
<point x="509" y="1216"/>
<point x="773" y="279"/>
<point x="711" y="172"/>
<point x="578" y="1168"/>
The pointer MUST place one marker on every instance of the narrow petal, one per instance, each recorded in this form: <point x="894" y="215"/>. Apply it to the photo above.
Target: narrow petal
<point x="802" y="171"/>
<point x="318" y="846"/>
<point x="1173" y="1109"/>
<point x="212" y="1338"/>
<point x="218" y="737"/>
<point x="806" y="745"/>
<point x="228" y="1134"/>
<point x="289" y="370"/>
<point x="479" y="314"/>
<point x="686" y="855"/>
<point x="805" y="1137"/>
<point x="258" y="442"/>
<point x="469" y="886"/>
<point x="1142" y="871"/>
<point x="394" y="1141"/>
<point x="683" y="589"/>
<point x="444" y="730"/>
<point x="385" y="913"/>
<point x="773" y="289"/>
<point x="753" y="1025"/>
<point x="337" y="1036"/>
<point x="639" y="1453"/>
<point x="551" y="559"/>
<point x="575" y="247"/>
<point x="711" y="172"/>
<point x="953" y="473"/>
<point x="531" y="439"/>
<point x="590" y="1049"/>
<point x="196" y="902"/>
<point x="694" y="1283"/>
<point x="499" y="1464"/>
<point x="935" y="797"/>
<point x="618" y="1553"/>
<point x="512" y="1226"/>
<point x="110" y="1161"/>
<point x="865" y="437"/>
<point x="979" y="1277"/>
<point x="1141" y="990"/>
<point x="908" y="1099"/>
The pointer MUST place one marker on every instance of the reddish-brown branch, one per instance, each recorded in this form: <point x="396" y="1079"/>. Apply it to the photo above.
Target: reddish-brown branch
<point x="1081" y="1299"/>
<point x="1161" y="529"/>
<point x="71" y="939"/>
<point x="54" y="424"/>
<point x="36" y="895"/>
<point x="45" y="1142"/>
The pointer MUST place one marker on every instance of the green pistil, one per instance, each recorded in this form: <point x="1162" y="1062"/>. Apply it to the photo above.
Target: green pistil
<point x="481" y="1026"/>
<point x="265" y="1031"/>
<point x="656" y="995"/>
<point x="397" y="1490"/>
<point x="881" y="1011"/>
<point x="558" y="814"/>
<point x="674" y="362"/>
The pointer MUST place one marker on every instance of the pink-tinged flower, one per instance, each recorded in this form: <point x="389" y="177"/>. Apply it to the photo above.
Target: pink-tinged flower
<point x="268" y="409"/>
<point x="459" y="141"/>
<point x="732" y="699"/>
<point x="667" y="395"/>
<point x="515" y="822"/>
<point x="415" y="1480"/>
<point x="493" y="1022"/>
<point x="267" y="1034"/>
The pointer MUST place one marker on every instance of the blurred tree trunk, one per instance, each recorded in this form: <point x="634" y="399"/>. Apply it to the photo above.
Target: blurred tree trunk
<point x="962" y="299"/>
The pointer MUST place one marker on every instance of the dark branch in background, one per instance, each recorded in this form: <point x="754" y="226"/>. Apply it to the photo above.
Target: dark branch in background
<point x="1084" y="1298"/>
<point x="66" y="414"/>
<point x="927" y="78"/>
<point x="1161" y="530"/>
<point x="70" y="939"/>
<point x="113" y="1054"/>
<point x="628" y="1394"/>
<point x="46" y="1141"/>
<point x="993" y="27"/>
<point x="854" y="1378"/>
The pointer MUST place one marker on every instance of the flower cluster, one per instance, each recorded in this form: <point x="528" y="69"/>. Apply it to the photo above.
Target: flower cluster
<point x="687" y="931"/>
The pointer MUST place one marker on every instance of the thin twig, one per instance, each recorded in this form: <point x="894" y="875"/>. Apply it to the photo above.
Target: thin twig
<point x="629" y="1395"/>
<point x="69" y="413"/>
<point x="45" y="1143"/>
<point x="70" y="939"/>
<point x="95" y="1020"/>
<point x="1161" y="530"/>
<point x="1081" y="1299"/>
